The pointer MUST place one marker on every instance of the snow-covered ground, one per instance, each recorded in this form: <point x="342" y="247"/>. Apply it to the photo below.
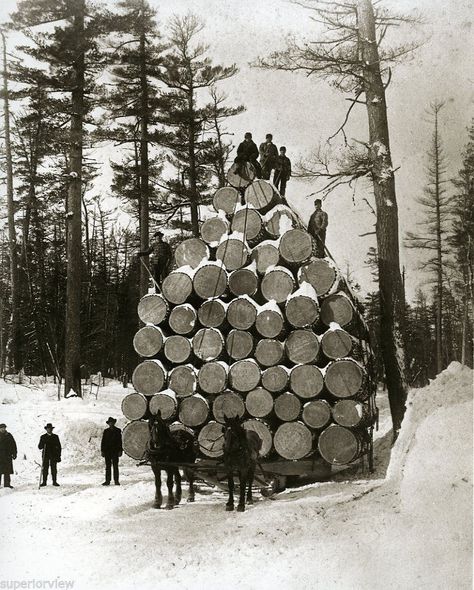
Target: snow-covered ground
<point x="408" y="526"/>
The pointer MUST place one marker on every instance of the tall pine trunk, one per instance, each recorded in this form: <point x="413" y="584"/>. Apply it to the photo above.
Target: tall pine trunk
<point x="15" y="356"/>
<point x="192" y="165"/>
<point x="73" y="244"/>
<point x="439" y="254"/>
<point x="390" y="281"/>
<point x="144" y="165"/>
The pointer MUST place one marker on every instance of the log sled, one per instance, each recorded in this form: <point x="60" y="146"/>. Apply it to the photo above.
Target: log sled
<point x="251" y="323"/>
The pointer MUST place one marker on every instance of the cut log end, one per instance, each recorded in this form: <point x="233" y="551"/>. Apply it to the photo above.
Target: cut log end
<point x="339" y="445"/>
<point x="191" y="253"/>
<point x="134" y="406"/>
<point x="148" y="341"/>
<point x="306" y="381"/>
<point x="293" y="440"/>
<point x="148" y="377"/>
<point x="152" y="309"/>
<point x="210" y="281"/>
<point x="135" y="438"/>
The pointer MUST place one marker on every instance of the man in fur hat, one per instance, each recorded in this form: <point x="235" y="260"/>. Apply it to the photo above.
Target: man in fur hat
<point x="50" y="445"/>
<point x="111" y="449"/>
<point x="7" y="455"/>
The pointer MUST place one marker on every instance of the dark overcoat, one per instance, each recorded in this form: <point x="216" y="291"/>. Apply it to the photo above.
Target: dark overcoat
<point x="51" y="445"/>
<point x="8" y="452"/>
<point x="111" y="445"/>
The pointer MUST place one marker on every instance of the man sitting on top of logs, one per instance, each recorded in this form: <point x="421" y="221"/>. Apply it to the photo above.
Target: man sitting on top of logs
<point x="247" y="152"/>
<point x="268" y="156"/>
<point x="162" y="257"/>
<point x="317" y="225"/>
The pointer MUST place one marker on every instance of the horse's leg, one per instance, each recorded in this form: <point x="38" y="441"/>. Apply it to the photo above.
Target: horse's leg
<point x="179" y="492"/>
<point x="230" y="482"/>
<point x="170" y="483"/>
<point x="158" y="496"/>
<point x="251" y="475"/>
<point x="243" y="476"/>
<point x="190" y="477"/>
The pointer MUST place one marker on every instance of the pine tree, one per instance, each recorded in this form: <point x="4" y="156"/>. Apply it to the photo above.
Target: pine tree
<point x="70" y="51"/>
<point x="462" y="242"/>
<point x="433" y="241"/>
<point x="187" y="72"/>
<point x="135" y="57"/>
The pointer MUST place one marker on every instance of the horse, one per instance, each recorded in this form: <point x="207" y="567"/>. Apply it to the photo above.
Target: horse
<point x="241" y="450"/>
<point x="170" y="447"/>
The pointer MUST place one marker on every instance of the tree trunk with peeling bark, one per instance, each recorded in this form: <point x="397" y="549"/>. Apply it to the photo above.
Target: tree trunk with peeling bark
<point x="74" y="204"/>
<point x="390" y="281"/>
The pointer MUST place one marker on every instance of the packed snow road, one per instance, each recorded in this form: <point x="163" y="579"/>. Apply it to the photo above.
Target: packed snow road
<point x="407" y="528"/>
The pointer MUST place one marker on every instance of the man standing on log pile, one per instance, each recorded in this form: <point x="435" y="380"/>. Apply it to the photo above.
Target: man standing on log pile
<point x="247" y="152"/>
<point x="317" y="225"/>
<point x="111" y="449"/>
<point x="282" y="172"/>
<point x="7" y="455"/>
<point x="161" y="257"/>
<point x="51" y="446"/>
<point x="268" y="156"/>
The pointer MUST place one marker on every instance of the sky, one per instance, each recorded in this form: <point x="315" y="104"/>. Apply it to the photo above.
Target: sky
<point x="303" y="112"/>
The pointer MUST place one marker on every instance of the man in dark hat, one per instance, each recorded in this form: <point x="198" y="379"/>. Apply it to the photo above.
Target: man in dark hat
<point x="282" y="171"/>
<point x="247" y="152"/>
<point x="7" y="455"/>
<point x="161" y="257"/>
<point x="50" y="445"/>
<point x="268" y="156"/>
<point x="111" y="449"/>
<point x="317" y="225"/>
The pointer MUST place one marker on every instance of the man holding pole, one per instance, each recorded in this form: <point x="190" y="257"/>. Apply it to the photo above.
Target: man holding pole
<point x="50" y="445"/>
<point x="161" y="257"/>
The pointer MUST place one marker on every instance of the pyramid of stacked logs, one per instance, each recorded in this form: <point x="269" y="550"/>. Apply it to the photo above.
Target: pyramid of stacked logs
<point x="251" y="323"/>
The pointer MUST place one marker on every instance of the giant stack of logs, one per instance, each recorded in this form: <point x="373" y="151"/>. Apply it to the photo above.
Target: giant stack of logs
<point x="251" y="324"/>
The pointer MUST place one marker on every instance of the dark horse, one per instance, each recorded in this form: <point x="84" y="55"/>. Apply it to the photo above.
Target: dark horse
<point x="241" y="449"/>
<point x="170" y="447"/>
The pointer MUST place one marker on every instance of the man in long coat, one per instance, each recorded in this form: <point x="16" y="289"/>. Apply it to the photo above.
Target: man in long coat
<point x="317" y="225"/>
<point x="50" y="445"/>
<point x="8" y="453"/>
<point x="268" y="156"/>
<point x="111" y="449"/>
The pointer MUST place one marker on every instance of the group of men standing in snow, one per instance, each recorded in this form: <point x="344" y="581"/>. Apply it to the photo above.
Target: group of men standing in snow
<point x="50" y="447"/>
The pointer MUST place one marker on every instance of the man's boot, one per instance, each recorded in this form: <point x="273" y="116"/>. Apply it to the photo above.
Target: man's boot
<point x="42" y="484"/>
<point x="55" y="483"/>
